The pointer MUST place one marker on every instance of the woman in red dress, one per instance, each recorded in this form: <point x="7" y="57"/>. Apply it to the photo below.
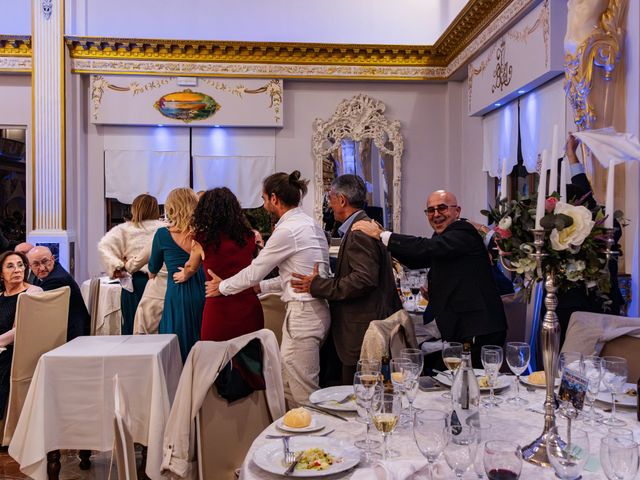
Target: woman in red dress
<point x="225" y="244"/>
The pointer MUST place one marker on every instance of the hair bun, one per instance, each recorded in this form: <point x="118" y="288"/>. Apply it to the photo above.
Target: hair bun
<point x="294" y="176"/>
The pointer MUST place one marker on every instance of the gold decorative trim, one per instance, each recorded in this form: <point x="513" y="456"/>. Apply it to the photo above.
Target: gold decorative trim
<point x="15" y="64"/>
<point x="15" y="46"/>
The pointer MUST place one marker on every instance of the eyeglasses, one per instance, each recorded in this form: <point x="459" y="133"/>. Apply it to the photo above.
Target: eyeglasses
<point x="12" y="268"/>
<point x="44" y="262"/>
<point x="439" y="208"/>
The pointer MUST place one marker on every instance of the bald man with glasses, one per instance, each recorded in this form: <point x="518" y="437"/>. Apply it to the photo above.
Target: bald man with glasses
<point x="462" y="291"/>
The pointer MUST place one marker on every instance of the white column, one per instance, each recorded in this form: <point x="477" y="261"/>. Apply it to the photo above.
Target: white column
<point x="48" y="129"/>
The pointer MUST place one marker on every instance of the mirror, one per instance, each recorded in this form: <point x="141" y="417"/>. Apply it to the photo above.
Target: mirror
<point x="358" y="139"/>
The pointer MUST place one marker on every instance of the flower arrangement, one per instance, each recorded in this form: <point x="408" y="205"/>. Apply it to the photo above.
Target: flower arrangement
<point x="574" y="242"/>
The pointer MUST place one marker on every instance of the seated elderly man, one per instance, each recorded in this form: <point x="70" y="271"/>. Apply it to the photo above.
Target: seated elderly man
<point x="51" y="275"/>
<point x="462" y="291"/>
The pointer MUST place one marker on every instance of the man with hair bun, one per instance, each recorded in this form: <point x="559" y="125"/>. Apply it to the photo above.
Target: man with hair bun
<point x="297" y="244"/>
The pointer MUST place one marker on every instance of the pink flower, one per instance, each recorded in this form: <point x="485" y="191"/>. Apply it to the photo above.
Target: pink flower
<point x="550" y="204"/>
<point x="502" y="233"/>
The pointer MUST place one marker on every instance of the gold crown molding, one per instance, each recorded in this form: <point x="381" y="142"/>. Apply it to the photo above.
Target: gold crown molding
<point x="15" y="46"/>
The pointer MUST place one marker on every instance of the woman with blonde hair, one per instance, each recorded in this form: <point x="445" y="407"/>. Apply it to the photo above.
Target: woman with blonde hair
<point x="183" y="303"/>
<point x="122" y="243"/>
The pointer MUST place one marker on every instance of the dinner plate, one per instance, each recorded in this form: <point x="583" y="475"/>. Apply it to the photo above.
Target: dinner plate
<point x="622" y="399"/>
<point x="270" y="457"/>
<point x="526" y="381"/>
<point x="329" y="397"/>
<point x="503" y="380"/>
<point x="315" y="425"/>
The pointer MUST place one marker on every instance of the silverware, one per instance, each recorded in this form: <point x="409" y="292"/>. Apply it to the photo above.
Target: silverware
<point x="289" y="456"/>
<point x="346" y="399"/>
<point x="291" y="467"/>
<point x="446" y="374"/>
<point x="325" y="411"/>
<point x="535" y="410"/>
<point x="323" y="434"/>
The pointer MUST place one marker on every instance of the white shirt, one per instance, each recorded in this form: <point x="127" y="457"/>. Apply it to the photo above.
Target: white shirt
<point x="295" y="245"/>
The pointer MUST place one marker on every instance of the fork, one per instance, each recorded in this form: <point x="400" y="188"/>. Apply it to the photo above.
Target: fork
<point x="289" y="456"/>
<point x="346" y="399"/>
<point x="323" y="434"/>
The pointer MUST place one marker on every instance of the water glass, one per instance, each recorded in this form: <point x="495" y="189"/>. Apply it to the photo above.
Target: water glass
<point x="502" y="460"/>
<point x="568" y="452"/>
<point x="385" y="415"/>
<point x="429" y="434"/>
<point x="492" y="357"/>
<point x="460" y="448"/>
<point x="365" y="386"/>
<point x="518" y="355"/>
<point x="617" y="432"/>
<point x="593" y="372"/>
<point x="614" y="377"/>
<point x="484" y="432"/>
<point x="619" y="458"/>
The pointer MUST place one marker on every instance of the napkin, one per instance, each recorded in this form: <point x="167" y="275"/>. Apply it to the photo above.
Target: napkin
<point x="394" y="470"/>
<point x="126" y="282"/>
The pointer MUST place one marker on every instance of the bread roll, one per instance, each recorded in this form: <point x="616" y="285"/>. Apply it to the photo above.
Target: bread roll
<point x="297" y="418"/>
<point x="537" y="378"/>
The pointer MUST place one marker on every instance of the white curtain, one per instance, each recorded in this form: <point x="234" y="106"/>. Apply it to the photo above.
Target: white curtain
<point x="129" y="173"/>
<point x="540" y="110"/>
<point x="242" y="175"/>
<point x="500" y="139"/>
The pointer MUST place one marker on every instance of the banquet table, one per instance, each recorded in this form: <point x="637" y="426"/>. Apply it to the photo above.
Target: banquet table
<point x="507" y="423"/>
<point x="70" y="403"/>
<point x="109" y="315"/>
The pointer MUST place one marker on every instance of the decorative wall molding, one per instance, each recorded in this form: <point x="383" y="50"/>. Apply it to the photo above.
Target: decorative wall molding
<point x="15" y="64"/>
<point x="15" y="46"/>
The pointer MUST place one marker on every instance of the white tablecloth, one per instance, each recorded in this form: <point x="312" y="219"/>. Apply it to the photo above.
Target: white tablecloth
<point x="508" y="423"/>
<point x="109" y="312"/>
<point x="70" y="400"/>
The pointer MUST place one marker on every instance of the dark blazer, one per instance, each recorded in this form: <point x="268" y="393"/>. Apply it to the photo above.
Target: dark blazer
<point x="363" y="289"/>
<point x="462" y="290"/>
<point x="79" y="319"/>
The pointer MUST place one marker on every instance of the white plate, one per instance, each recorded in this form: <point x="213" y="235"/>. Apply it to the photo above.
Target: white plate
<point x="503" y="380"/>
<point x="526" y="381"/>
<point x="329" y="397"/>
<point x="270" y="457"/>
<point x="622" y="399"/>
<point x="315" y="425"/>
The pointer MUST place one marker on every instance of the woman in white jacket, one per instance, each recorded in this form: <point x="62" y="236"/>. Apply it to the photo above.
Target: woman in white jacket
<point x="124" y="242"/>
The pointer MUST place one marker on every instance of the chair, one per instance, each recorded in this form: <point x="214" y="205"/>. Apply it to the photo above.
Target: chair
<point x="627" y="347"/>
<point x="124" y="448"/>
<point x="274" y="310"/>
<point x="389" y="335"/>
<point x="515" y="309"/>
<point x="93" y="301"/>
<point x="41" y="326"/>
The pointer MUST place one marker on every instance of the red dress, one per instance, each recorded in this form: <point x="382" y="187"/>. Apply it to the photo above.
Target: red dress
<point x="227" y="317"/>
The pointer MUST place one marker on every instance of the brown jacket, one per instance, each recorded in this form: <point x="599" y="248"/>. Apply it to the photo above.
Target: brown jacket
<point x="363" y="289"/>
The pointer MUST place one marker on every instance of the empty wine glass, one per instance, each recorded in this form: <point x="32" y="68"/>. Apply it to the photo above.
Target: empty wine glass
<point x="429" y="434"/>
<point x="365" y="386"/>
<point x="491" y="361"/>
<point x="619" y="458"/>
<point x="572" y="361"/>
<point x="568" y="452"/>
<point x="502" y="460"/>
<point x="415" y="355"/>
<point x="410" y="386"/>
<point x="385" y="417"/>
<point x="593" y="372"/>
<point x="452" y="358"/>
<point x="616" y="432"/>
<point x="614" y="377"/>
<point x="459" y="449"/>
<point x="368" y="365"/>
<point x="484" y="432"/>
<point x="518" y="354"/>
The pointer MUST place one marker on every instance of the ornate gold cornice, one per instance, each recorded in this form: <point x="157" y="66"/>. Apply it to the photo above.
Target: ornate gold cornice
<point x="15" y="46"/>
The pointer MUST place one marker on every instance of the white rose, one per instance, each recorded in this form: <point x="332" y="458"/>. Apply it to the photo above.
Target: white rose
<point x="505" y="223"/>
<point x="575" y="233"/>
<point x="574" y="269"/>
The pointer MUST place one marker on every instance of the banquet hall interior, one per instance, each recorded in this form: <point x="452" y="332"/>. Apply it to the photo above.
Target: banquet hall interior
<point x="101" y="102"/>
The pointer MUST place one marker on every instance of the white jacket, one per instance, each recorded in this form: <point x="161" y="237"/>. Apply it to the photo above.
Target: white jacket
<point x="125" y="241"/>
<point x="201" y="369"/>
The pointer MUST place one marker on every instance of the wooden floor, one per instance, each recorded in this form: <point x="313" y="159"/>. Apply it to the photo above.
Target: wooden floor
<point x="99" y="470"/>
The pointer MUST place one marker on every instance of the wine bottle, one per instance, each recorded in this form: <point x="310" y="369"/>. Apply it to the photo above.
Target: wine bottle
<point x="465" y="392"/>
<point x="385" y="370"/>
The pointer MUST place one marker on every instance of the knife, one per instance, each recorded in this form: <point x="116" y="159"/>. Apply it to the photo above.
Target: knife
<point x="291" y="467"/>
<point x="325" y="411"/>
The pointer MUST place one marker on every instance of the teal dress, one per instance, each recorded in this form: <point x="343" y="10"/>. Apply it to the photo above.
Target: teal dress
<point x="183" y="302"/>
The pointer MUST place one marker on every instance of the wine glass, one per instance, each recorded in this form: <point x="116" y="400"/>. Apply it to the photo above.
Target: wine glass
<point x="614" y="377"/>
<point x="502" y="460"/>
<point x="484" y="432"/>
<point x="365" y="385"/>
<point x="385" y="414"/>
<point x="410" y="386"/>
<point x="617" y="432"/>
<point x="415" y="355"/>
<point x="452" y="358"/>
<point x="429" y="435"/>
<point x="491" y="361"/>
<point x="619" y="458"/>
<point x="593" y="372"/>
<point x="369" y="365"/>
<point x="415" y="282"/>
<point x="568" y="453"/>
<point x="572" y="361"/>
<point x="460" y="447"/>
<point x="518" y="354"/>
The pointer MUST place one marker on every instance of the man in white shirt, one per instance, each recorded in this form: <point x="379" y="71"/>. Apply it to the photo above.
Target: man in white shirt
<point x="297" y="244"/>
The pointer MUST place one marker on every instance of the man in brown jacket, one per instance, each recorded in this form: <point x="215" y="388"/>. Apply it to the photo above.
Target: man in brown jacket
<point x="363" y="286"/>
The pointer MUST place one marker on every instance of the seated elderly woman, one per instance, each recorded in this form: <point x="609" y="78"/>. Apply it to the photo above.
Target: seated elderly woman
<point x="12" y="283"/>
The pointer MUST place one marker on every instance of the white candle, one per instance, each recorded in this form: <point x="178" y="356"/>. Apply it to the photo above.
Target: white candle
<point x="608" y="206"/>
<point x="564" y="179"/>
<point x="503" y="180"/>
<point x="542" y="189"/>
<point x="553" y="164"/>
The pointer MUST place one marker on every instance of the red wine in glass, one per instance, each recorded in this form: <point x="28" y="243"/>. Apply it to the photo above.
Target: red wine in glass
<point x="502" y="474"/>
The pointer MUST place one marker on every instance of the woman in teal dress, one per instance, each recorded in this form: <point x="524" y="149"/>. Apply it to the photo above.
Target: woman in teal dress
<point x="183" y="302"/>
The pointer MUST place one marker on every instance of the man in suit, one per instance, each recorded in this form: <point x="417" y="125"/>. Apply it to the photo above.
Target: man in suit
<point x="462" y="291"/>
<point x="363" y="287"/>
<point x="50" y="275"/>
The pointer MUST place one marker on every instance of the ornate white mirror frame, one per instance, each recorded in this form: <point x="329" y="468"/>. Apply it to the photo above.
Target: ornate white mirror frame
<point x="358" y="118"/>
